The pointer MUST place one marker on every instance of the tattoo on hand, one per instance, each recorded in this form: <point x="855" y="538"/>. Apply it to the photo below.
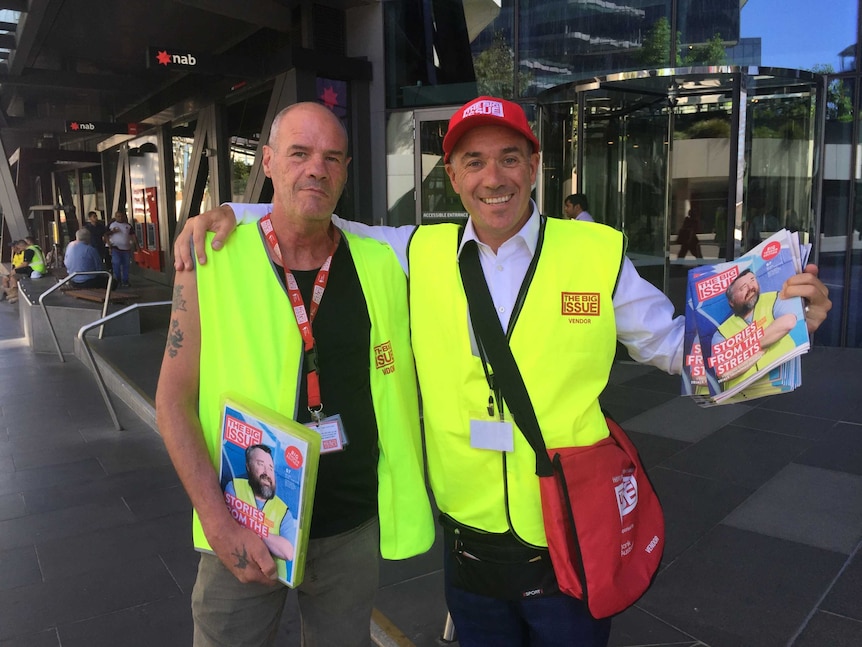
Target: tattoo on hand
<point x="179" y="301"/>
<point x="175" y="338"/>
<point x="241" y="558"/>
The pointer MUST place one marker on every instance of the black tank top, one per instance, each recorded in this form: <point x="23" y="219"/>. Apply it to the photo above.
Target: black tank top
<point x="346" y="492"/>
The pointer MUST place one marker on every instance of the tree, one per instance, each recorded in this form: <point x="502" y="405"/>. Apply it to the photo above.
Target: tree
<point x="655" y="51"/>
<point x="495" y="70"/>
<point x="839" y="103"/>
<point x="240" y="171"/>
<point x="710" y="53"/>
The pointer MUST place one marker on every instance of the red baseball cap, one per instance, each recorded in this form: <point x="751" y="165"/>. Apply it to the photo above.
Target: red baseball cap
<point x="486" y="111"/>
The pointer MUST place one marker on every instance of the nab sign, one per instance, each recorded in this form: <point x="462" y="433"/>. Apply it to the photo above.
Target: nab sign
<point x="170" y="59"/>
<point x="160" y="57"/>
<point x="101" y="127"/>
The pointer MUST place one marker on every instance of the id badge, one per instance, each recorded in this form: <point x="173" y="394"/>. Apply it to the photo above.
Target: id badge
<point x="332" y="435"/>
<point x="498" y="435"/>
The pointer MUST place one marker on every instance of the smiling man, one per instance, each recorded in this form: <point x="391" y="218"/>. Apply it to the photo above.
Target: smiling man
<point x="499" y="582"/>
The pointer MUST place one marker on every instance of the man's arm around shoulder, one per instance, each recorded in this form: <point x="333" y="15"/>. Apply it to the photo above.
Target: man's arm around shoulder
<point x="239" y="549"/>
<point x="225" y="218"/>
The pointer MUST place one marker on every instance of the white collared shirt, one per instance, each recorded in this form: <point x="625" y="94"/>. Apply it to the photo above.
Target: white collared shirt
<point x="645" y="320"/>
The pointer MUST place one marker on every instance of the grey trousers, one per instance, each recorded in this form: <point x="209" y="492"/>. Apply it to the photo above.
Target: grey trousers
<point x="336" y="597"/>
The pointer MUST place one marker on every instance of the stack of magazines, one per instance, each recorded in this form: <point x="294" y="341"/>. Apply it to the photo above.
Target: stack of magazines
<point x="743" y="341"/>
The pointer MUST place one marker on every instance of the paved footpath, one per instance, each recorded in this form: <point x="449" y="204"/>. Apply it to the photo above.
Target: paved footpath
<point x="763" y="505"/>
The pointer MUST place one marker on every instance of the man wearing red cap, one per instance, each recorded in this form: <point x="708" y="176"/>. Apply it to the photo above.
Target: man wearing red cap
<point x="499" y="583"/>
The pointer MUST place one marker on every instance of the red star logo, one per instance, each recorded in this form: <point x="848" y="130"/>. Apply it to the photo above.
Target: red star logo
<point x="330" y="97"/>
<point x="163" y="57"/>
<point x="74" y="125"/>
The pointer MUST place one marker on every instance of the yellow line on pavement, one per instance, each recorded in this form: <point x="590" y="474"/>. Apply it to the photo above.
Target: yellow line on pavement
<point x="386" y="634"/>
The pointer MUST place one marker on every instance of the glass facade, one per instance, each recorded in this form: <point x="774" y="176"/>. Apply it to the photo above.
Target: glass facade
<point x="743" y="157"/>
<point x="839" y="244"/>
<point x="183" y="146"/>
<point x="447" y="51"/>
<point x="729" y="151"/>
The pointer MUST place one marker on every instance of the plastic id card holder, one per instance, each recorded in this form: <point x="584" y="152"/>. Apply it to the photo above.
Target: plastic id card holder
<point x="332" y="435"/>
<point x="492" y="434"/>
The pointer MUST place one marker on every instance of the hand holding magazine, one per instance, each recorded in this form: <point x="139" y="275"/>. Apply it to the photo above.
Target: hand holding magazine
<point x="742" y="340"/>
<point x="268" y="472"/>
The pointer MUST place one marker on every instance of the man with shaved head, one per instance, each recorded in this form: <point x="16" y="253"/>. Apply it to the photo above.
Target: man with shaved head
<point x="315" y="326"/>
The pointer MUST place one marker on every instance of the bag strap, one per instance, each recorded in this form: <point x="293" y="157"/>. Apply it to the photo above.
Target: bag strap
<point x="493" y="343"/>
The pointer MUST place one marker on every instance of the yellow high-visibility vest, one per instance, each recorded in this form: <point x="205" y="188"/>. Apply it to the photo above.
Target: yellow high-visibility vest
<point x="563" y="340"/>
<point x="250" y="345"/>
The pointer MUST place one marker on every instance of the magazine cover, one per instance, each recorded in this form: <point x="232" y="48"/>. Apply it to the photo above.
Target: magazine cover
<point x="745" y="330"/>
<point x="267" y="472"/>
<point x="694" y="375"/>
<point x="693" y="371"/>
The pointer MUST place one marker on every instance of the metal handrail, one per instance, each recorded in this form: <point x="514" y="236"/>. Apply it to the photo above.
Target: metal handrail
<point x="82" y="335"/>
<point x="57" y="286"/>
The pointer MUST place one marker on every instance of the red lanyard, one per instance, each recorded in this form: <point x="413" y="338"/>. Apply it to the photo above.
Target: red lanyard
<point x="304" y="318"/>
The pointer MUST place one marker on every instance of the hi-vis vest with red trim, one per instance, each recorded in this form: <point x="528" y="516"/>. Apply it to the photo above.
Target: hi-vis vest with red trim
<point x="762" y="313"/>
<point x="563" y="339"/>
<point x="250" y="344"/>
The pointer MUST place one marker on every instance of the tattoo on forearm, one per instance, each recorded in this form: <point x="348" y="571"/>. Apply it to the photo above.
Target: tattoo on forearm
<point x="175" y="338"/>
<point x="241" y="558"/>
<point x="179" y="301"/>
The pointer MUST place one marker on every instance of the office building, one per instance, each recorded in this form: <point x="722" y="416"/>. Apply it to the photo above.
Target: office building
<point x="742" y="114"/>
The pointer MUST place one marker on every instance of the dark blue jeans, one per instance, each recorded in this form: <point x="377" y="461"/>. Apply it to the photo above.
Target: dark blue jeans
<point x="552" y="621"/>
<point x="120" y="259"/>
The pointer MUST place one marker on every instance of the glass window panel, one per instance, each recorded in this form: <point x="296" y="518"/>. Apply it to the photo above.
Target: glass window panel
<point x="833" y="244"/>
<point x="779" y="162"/>
<point x="706" y="28"/>
<point x="854" y="245"/>
<point x="242" y="153"/>
<point x="144" y="180"/>
<point x="11" y="17"/>
<point x="110" y="163"/>
<point x="624" y="174"/>
<point x="700" y="179"/>
<point x="244" y="122"/>
<point x="182" y="156"/>
<point x="400" y="185"/>
<point x="568" y="41"/>
<point x="447" y="51"/>
<point x="559" y="155"/>
<point x="438" y="200"/>
<point x="182" y="142"/>
<point x="93" y="196"/>
<point x="854" y="308"/>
